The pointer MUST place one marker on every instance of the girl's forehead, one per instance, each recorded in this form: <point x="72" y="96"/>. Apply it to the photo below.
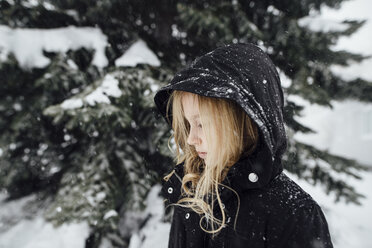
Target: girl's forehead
<point x="189" y="99"/>
<point x="190" y="106"/>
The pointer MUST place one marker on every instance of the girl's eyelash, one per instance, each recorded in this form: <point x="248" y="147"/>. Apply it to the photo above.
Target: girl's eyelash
<point x="198" y="125"/>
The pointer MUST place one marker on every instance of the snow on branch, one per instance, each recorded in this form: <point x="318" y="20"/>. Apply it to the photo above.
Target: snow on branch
<point x="28" y="44"/>
<point x="138" y="53"/>
<point x="320" y="24"/>
<point x="108" y="87"/>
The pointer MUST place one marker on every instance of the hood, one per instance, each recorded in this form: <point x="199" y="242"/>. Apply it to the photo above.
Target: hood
<point x="245" y="74"/>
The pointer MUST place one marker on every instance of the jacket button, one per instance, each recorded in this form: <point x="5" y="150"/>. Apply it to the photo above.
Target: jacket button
<point x="228" y="220"/>
<point x="170" y="190"/>
<point x="253" y="177"/>
<point x="187" y="216"/>
<point x="223" y="206"/>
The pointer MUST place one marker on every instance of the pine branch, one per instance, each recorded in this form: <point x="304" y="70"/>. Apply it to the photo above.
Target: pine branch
<point x="331" y="171"/>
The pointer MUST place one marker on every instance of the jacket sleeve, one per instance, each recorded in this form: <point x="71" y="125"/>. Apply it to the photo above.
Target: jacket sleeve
<point x="308" y="228"/>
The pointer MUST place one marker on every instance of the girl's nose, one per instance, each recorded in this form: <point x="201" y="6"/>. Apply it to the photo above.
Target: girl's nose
<point x="193" y="138"/>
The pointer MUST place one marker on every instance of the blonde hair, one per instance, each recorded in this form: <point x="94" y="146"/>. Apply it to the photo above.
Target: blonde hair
<point x="202" y="178"/>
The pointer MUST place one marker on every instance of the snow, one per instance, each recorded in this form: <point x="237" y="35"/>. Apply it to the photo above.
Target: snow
<point x="17" y="41"/>
<point x="72" y="64"/>
<point x="138" y="53"/>
<point x="18" y="220"/>
<point x="284" y="80"/>
<point x="72" y="103"/>
<point x="273" y="10"/>
<point x="354" y="70"/>
<point x="320" y="24"/>
<point x="155" y="233"/>
<point x="100" y="196"/>
<point x="176" y="33"/>
<point x="108" y="87"/>
<point x="36" y="233"/>
<point x="97" y="96"/>
<point x="342" y="130"/>
<point x="35" y="3"/>
<point x="109" y="214"/>
<point x="359" y="42"/>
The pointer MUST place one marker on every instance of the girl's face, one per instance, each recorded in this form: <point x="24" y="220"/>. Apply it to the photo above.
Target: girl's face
<point x="196" y="136"/>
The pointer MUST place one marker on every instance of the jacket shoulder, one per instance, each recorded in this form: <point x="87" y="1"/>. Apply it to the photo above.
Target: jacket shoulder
<point x="287" y="192"/>
<point x="302" y="221"/>
<point x="281" y="194"/>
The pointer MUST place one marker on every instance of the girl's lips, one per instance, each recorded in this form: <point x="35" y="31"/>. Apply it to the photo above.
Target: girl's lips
<point x="202" y="154"/>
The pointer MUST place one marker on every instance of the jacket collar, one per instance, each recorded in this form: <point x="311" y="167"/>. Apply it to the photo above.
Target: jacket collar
<point x="247" y="173"/>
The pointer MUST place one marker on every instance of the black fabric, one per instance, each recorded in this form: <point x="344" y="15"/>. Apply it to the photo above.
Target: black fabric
<point x="273" y="210"/>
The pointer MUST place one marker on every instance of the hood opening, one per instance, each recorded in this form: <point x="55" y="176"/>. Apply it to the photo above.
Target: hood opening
<point x="245" y="74"/>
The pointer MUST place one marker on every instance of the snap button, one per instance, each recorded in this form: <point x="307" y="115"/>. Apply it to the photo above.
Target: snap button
<point x="223" y="206"/>
<point x="253" y="177"/>
<point x="170" y="190"/>
<point x="187" y="216"/>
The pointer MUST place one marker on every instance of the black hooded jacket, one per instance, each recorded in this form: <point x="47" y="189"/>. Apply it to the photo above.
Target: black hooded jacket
<point x="273" y="211"/>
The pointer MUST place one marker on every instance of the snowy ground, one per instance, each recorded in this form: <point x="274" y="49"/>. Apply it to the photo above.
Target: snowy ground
<point x="30" y="230"/>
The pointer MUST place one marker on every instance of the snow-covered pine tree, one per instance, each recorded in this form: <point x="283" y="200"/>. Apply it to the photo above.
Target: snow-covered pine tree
<point x="78" y="128"/>
<point x="77" y="119"/>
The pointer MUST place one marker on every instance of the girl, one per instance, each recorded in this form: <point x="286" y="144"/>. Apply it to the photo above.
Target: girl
<point x="228" y="187"/>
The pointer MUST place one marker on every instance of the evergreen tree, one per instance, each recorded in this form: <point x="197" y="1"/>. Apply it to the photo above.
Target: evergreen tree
<point x="96" y="160"/>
